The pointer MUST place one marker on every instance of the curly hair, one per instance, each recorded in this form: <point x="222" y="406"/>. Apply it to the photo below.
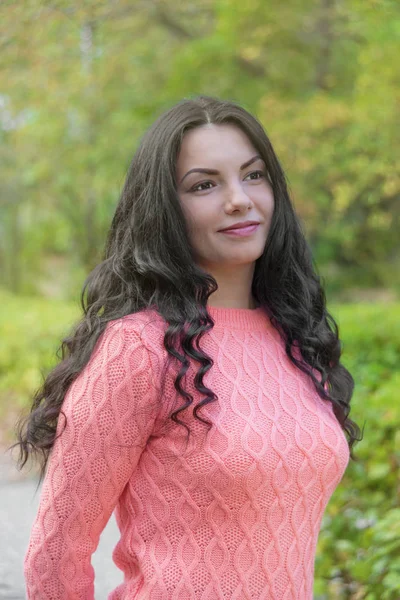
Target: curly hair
<point x="148" y="262"/>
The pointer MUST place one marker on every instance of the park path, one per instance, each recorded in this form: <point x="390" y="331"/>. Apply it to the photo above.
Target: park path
<point x="18" y="508"/>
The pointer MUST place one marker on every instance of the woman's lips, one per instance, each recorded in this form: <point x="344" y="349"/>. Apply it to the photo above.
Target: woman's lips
<point x="242" y="231"/>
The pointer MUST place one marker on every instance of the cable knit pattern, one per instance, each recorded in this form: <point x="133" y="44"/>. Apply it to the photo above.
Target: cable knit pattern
<point x="234" y="516"/>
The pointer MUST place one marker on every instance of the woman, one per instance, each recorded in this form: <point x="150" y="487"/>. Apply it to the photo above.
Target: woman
<point x="202" y="394"/>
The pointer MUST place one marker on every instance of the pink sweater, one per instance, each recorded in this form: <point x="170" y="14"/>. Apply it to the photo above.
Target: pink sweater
<point x="237" y="517"/>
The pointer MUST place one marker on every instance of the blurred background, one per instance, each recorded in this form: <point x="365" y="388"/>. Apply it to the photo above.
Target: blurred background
<point x="80" y="82"/>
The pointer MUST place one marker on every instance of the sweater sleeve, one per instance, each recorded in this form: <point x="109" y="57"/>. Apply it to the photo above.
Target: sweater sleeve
<point x="110" y="414"/>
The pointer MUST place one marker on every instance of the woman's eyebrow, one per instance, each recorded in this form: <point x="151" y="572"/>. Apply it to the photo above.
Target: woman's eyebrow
<point x="215" y="172"/>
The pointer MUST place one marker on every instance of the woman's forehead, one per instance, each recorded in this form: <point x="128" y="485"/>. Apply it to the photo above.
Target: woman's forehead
<point x="216" y="144"/>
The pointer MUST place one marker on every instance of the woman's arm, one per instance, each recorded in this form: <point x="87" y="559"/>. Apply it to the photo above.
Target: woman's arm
<point x="108" y="424"/>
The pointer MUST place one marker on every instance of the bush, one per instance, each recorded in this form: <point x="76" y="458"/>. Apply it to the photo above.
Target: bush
<point x="31" y="330"/>
<point x="358" y="552"/>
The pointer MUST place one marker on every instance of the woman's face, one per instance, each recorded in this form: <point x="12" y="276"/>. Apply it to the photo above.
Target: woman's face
<point x="212" y="202"/>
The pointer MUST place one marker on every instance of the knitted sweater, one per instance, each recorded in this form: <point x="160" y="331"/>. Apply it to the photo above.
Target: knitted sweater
<point x="235" y="515"/>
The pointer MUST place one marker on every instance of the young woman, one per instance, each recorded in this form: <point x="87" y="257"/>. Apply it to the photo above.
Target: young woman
<point x="201" y="396"/>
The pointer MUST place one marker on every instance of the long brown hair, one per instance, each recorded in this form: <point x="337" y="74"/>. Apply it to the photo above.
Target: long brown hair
<point x="148" y="261"/>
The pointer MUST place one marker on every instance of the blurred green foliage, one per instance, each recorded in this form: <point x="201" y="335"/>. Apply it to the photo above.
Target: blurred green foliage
<point x="358" y="553"/>
<point x="31" y="330"/>
<point x="78" y="92"/>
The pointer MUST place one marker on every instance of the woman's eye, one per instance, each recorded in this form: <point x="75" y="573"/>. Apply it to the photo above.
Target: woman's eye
<point x="254" y="173"/>
<point x="196" y="187"/>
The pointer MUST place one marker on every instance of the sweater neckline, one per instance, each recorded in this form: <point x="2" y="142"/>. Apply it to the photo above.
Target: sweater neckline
<point x="240" y="318"/>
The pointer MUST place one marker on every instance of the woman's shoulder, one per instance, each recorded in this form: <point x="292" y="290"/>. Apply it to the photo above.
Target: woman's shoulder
<point x="147" y="326"/>
<point x="138" y="319"/>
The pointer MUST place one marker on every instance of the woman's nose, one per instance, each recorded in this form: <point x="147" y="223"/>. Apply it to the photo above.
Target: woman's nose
<point x="236" y="196"/>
